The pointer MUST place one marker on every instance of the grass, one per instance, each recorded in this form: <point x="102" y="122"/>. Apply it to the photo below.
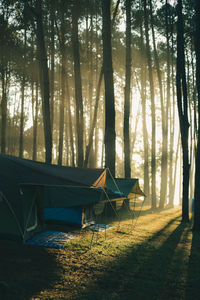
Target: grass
<point x="153" y="257"/>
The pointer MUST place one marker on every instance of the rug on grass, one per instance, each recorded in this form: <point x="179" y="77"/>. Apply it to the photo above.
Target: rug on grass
<point x="98" y="227"/>
<point x="52" y="239"/>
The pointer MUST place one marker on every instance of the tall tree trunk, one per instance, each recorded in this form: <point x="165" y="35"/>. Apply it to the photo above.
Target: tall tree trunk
<point x="78" y="83"/>
<point x="21" y="131"/>
<point x="109" y="96"/>
<point x="62" y="98"/>
<point x="3" y="113"/>
<point x="144" y="125"/>
<point x="61" y="113"/>
<point x="35" y="122"/>
<point x="168" y="92"/>
<point x="109" y="89"/>
<point x="98" y="89"/>
<point x="127" y="92"/>
<point x="69" y="117"/>
<point x="196" y="225"/>
<point x="172" y="125"/>
<point x="182" y="110"/>
<point x="94" y="120"/>
<point x="91" y="66"/>
<point x="153" y="141"/>
<point x="193" y="109"/>
<point x="127" y="165"/>
<point x="96" y="151"/>
<point x="172" y="191"/>
<point x="164" y="154"/>
<point x="44" y="82"/>
<point x="52" y="58"/>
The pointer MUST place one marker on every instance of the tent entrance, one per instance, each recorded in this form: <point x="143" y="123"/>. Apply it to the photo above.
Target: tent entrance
<point x="88" y="216"/>
<point x="33" y="219"/>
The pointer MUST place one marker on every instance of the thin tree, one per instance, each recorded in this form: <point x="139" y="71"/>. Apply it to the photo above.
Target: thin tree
<point x="98" y="89"/>
<point x="164" y="154"/>
<point x="63" y="88"/>
<point x="196" y="225"/>
<point x="109" y="88"/>
<point x="144" y="123"/>
<point x="52" y="60"/>
<point x="78" y="83"/>
<point x="153" y="129"/>
<point x="109" y="96"/>
<point x="23" y="81"/>
<point x="127" y="93"/>
<point x="182" y="101"/>
<point x="172" y="107"/>
<point x="127" y="164"/>
<point x="5" y="39"/>
<point x="44" y="80"/>
<point x="35" y="110"/>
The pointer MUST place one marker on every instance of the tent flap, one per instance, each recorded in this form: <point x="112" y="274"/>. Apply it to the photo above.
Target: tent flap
<point x="127" y="187"/>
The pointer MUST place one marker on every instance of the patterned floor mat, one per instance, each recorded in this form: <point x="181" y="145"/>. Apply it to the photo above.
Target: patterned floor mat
<point x="98" y="227"/>
<point x="52" y="239"/>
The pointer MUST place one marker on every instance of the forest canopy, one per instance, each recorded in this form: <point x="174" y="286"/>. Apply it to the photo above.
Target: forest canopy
<point x="96" y="83"/>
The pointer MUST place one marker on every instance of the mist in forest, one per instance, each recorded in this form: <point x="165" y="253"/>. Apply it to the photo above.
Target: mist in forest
<point x="94" y="84"/>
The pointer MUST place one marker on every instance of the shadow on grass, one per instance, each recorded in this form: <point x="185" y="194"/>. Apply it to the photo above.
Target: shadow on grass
<point x="25" y="270"/>
<point x="193" y="272"/>
<point x="140" y="273"/>
<point x="133" y="214"/>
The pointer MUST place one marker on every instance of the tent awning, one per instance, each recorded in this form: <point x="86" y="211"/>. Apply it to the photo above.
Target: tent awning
<point x="39" y="172"/>
<point x="58" y="196"/>
<point x="128" y="187"/>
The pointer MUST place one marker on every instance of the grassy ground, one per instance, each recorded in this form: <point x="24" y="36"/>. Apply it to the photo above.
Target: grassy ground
<point x="155" y="257"/>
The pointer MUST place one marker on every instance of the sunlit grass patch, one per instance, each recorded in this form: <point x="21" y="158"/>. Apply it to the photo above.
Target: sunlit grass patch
<point x="156" y="258"/>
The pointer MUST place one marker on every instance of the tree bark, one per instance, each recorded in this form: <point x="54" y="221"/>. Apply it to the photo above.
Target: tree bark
<point x="98" y="89"/>
<point x="109" y="96"/>
<point x="196" y="225"/>
<point x="44" y="82"/>
<point x="127" y="92"/>
<point x="109" y="89"/>
<point x="172" y="124"/>
<point x="153" y="141"/>
<point x="69" y="117"/>
<point x="144" y="125"/>
<point x="63" y="93"/>
<point x="182" y="110"/>
<point x="127" y="164"/>
<point x="52" y="58"/>
<point x="21" y="131"/>
<point x="35" y="123"/>
<point x="94" y="120"/>
<point x="3" y="113"/>
<point x="78" y="83"/>
<point x="164" y="155"/>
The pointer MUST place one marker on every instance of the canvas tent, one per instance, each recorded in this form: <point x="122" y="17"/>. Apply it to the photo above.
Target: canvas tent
<point x="128" y="187"/>
<point x="15" y="171"/>
<point x="21" y="209"/>
<point x="29" y="219"/>
<point x="70" y="204"/>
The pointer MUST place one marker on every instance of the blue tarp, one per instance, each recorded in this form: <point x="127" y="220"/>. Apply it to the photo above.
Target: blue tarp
<point x="69" y="215"/>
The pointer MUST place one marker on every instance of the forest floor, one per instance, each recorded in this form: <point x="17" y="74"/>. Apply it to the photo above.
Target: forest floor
<point x="152" y="257"/>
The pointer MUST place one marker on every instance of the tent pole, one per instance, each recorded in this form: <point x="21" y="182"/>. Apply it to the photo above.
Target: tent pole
<point x="113" y="179"/>
<point x="34" y="197"/>
<point x="15" y="217"/>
